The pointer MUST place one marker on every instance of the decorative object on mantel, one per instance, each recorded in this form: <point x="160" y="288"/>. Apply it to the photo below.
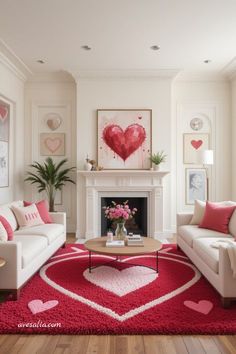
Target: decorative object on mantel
<point x="193" y="143"/>
<point x="53" y="121"/>
<point x="50" y="177"/>
<point x="124" y="138"/>
<point x="52" y="144"/>
<point x="119" y="213"/>
<point x="157" y="159"/>
<point x="87" y="166"/>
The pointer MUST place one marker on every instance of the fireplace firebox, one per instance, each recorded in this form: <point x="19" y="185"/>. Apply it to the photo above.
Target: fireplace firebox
<point x="136" y="225"/>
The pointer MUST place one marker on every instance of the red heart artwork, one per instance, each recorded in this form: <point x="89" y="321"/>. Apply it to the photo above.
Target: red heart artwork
<point x="196" y="143"/>
<point x="3" y="112"/>
<point x="124" y="143"/>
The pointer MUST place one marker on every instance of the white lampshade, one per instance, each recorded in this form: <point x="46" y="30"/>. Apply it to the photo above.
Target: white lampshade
<point x="207" y="157"/>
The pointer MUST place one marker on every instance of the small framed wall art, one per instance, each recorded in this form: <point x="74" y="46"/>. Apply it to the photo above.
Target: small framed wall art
<point x="124" y="138"/>
<point x="196" y="185"/>
<point x="52" y="144"/>
<point x="193" y="144"/>
<point x="4" y="143"/>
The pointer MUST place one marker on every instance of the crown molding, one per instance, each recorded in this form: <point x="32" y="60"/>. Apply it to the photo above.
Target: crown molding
<point x="12" y="62"/>
<point x="124" y="74"/>
<point x="200" y="76"/>
<point x="230" y="69"/>
<point x="51" y="77"/>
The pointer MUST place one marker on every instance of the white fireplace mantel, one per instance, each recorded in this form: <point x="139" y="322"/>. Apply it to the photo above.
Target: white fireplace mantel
<point x="91" y="185"/>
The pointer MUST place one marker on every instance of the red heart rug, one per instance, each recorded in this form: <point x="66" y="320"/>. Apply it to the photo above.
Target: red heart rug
<point x="124" y="142"/>
<point x="118" y="297"/>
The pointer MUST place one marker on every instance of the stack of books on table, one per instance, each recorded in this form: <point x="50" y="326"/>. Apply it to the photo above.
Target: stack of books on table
<point x="115" y="243"/>
<point x="135" y="241"/>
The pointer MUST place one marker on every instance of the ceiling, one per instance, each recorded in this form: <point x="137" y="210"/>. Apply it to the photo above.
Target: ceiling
<point x="120" y="33"/>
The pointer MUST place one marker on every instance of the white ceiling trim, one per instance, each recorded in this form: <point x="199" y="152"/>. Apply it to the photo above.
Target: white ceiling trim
<point x="230" y="69"/>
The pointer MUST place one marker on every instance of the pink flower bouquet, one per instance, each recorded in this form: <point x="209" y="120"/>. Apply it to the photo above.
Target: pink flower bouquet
<point x="119" y="212"/>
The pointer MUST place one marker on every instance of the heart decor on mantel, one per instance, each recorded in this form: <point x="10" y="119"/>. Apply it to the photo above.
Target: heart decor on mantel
<point x="53" y="144"/>
<point x="196" y="143"/>
<point x="53" y="121"/>
<point x="3" y="112"/>
<point x="124" y="142"/>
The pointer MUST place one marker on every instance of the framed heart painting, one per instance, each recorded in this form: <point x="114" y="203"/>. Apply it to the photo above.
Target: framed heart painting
<point x="193" y="144"/>
<point x="52" y="144"/>
<point x="124" y="138"/>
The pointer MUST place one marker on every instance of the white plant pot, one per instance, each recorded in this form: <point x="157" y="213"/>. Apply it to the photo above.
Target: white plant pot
<point x="157" y="167"/>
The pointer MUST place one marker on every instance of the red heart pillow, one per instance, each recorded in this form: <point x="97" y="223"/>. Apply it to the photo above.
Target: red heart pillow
<point x="217" y="217"/>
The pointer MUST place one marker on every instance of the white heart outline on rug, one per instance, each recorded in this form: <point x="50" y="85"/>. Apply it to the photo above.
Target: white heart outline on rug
<point x="108" y="311"/>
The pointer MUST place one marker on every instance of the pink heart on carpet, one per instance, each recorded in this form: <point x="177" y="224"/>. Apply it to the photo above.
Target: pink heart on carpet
<point x="196" y="143"/>
<point x="37" y="306"/>
<point x="203" y="306"/>
<point x="3" y="112"/>
<point x="53" y="144"/>
<point x="124" y="143"/>
<point x="132" y="278"/>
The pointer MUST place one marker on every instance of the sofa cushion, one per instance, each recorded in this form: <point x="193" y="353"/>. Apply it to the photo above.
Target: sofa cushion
<point x="49" y="231"/>
<point x="7" y="227"/>
<point x="199" y="210"/>
<point x="27" y="216"/>
<point x="3" y="233"/>
<point x="217" y="217"/>
<point x="8" y="214"/>
<point x="192" y="232"/>
<point x="232" y="225"/>
<point x="31" y="247"/>
<point x="209" y="254"/>
<point x="42" y="207"/>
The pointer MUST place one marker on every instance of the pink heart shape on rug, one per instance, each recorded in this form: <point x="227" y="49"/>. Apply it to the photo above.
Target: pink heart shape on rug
<point x="124" y="143"/>
<point x="53" y="144"/>
<point x="196" y="143"/>
<point x="3" y="112"/>
<point x="203" y="306"/>
<point x="37" y="306"/>
<point x="132" y="278"/>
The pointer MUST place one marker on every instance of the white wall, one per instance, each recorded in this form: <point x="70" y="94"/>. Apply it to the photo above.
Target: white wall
<point x="212" y="100"/>
<point x="57" y="94"/>
<point x="12" y="91"/>
<point x="114" y="93"/>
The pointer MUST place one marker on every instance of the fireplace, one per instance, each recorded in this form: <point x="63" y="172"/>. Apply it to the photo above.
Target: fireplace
<point x="93" y="189"/>
<point x="136" y="225"/>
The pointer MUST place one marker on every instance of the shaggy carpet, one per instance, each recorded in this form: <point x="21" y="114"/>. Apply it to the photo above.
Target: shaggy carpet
<point x="117" y="298"/>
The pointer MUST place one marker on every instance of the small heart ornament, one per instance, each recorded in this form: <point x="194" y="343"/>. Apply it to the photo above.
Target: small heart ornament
<point x="53" y="121"/>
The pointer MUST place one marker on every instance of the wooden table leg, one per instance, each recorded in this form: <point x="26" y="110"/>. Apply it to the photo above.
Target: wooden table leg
<point x="90" y="262"/>
<point x="157" y="262"/>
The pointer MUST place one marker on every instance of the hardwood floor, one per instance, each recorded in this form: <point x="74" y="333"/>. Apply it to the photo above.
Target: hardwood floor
<point x="159" y="344"/>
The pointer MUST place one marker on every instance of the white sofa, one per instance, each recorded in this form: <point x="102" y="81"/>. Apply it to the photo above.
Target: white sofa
<point x="213" y="263"/>
<point x="29" y="250"/>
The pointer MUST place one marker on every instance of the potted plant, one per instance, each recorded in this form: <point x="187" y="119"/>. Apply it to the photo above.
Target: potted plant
<point x="50" y="177"/>
<point x="157" y="159"/>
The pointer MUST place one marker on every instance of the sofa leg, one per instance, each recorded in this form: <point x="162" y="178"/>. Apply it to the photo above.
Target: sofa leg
<point x="178" y="248"/>
<point x="64" y="245"/>
<point x="16" y="294"/>
<point x="226" y="302"/>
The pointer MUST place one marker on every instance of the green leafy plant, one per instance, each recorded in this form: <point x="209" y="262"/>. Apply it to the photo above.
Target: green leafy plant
<point x="158" y="158"/>
<point x="50" y="177"/>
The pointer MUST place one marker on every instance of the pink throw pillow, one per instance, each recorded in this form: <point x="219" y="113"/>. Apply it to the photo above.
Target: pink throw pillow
<point x="42" y="207"/>
<point x="7" y="227"/>
<point x="217" y="217"/>
<point x="27" y="216"/>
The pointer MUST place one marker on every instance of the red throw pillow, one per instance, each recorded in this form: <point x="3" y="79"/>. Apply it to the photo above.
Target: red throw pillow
<point x="217" y="217"/>
<point x="42" y="207"/>
<point x="7" y="227"/>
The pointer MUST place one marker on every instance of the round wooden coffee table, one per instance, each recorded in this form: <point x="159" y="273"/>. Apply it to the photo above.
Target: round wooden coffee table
<point x="98" y="245"/>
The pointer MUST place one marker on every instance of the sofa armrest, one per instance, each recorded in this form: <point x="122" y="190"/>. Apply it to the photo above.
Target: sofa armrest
<point x="227" y="282"/>
<point x="183" y="219"/>
<point x="58" y="218"/>
<point x="11" y="251"/>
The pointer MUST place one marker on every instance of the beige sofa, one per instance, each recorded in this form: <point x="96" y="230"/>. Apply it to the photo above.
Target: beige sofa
<point x="213" y="263"/>
<point x="29" y="250"/>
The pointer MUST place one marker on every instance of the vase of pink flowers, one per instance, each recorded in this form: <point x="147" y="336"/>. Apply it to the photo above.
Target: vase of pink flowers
<point x="119" y="213"/>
